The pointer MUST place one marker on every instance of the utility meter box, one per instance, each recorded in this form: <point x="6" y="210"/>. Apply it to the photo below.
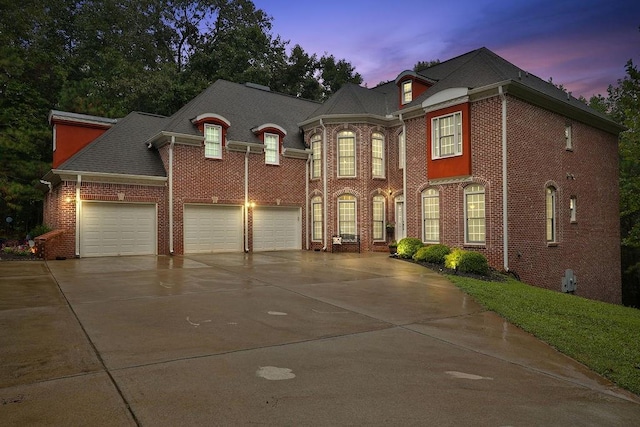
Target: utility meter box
<point x="569" y="281"/>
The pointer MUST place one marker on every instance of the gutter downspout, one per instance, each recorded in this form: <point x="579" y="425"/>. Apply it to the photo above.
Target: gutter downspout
<point x="404" y="177"/>
<point x="173" y="141"/>
<point x="505" y="222"/>
<point x="324" y="185"/>
<point x="308" y="207"/>
<point x="246" y="200"/>
<point x="78" y="204"/>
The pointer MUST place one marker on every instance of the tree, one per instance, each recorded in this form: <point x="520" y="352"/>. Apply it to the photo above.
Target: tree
<point x="423" y="65"/>
<point x="334" y="74"/>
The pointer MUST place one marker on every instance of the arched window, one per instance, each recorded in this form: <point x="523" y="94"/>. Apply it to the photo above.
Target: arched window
<point x="550" y="214"/>
<point x="346" y="154"/>
<point x="378" y="218"/>
<point x="347" y="214"/>
<point x="377" y="155"/>
<point x="430" y="216"/>
<point x="475" y="230"/>
<point x="316" y="219"/>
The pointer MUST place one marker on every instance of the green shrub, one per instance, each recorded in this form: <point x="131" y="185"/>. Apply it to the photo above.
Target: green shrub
<point x="433" y="253"/>
<point x="420" y="254"/>
<point x="39" y="230"/>
<point x="452" y="260"/>
<point x="408" y="246"/>
<point x="473" y="262"/>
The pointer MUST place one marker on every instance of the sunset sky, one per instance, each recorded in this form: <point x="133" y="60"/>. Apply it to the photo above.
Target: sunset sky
<point x="582" y="44"/>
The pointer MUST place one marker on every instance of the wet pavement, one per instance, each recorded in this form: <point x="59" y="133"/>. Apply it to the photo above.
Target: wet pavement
<point x="276" y="338"/>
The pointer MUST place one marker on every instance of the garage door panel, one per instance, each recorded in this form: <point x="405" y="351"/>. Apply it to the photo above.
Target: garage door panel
<point x="111" y="229"/>
<point x="213" y="229"/>
<point x="276" y="229"/>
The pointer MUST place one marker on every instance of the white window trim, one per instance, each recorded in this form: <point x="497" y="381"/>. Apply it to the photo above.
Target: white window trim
<point x="353" y="200"/>
<point x="457" y="138"/>
<point x="316" y="160"/>
<point x="379" y="199"/>
<point x="403" y="85"/>
<point x="382" y="156"/>
<point x="355" y="159"/>
<point x="277" y="149"/>
<point x="316" y="201"/>
<point x="54" y="137"/>
<point x="466" y="220"/>
<point x="436" y="196"/>
<point x="568" y="137"/>
<point x="573" y="209"/>
<point x="550" y="195"/>
<point x="214" y="143"/>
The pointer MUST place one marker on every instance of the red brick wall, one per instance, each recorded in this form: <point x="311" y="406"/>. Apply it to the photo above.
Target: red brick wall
<point x="60" y="214"/>
<point x="537" y="158"/>
<point x="208" y="181"/>
<point x="364" y="187"/>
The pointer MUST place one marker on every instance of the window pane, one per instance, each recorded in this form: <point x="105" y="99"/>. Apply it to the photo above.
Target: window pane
<point x="446" y="137"/>
<point x="347" y="215"/>
<point x="316" y="147"/>
<point x="378" y="218"/>
<point x="431" y="212"/>
<point x="316" y="208"/>
<point x="212" y="139"/>
<point x="550" y="214"/>
<point x="401" y="150"/>
<point x="377" y="154"/>
<point x="346" y="154"/>
<point x="271" y="148"/>
<point x="475" y="213"/>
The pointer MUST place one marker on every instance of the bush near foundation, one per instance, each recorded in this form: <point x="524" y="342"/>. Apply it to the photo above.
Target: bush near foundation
<point x="408" y="246"/>
<point x="433" y="254"/>
<point x="467" y="262"/>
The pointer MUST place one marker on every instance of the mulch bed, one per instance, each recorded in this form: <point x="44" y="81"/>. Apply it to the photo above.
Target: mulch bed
<point x="494" y="275"/>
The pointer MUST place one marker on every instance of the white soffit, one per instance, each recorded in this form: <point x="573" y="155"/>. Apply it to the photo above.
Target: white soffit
<point x="446" y="96"/>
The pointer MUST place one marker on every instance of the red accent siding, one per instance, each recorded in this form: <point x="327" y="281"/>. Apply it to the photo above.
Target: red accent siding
<point x="73" y="137"/>
<point x="451" y="166"/>
<point x="418" y="87"/>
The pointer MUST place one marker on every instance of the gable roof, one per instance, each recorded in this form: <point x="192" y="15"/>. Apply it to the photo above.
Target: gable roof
<point x="246" y="107"/>
<point x="121" y="149"/>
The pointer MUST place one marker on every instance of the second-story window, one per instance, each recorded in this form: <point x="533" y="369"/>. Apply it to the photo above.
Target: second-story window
<point x="407" y="92"/>
<point x="346" y="154"/>
<point x="316" y="153"/>
<point x="271" y="149"/>
<point x="212" y="141"/>
<point x="446" y="136"/>
<point x="377" y="155"/>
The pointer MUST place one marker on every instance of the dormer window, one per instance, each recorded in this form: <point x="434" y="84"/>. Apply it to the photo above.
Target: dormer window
<point x="407" y="92"/>
<point x="213" y="127"/>
<point x="271" y="149"/>
<point x="212" y="141"/>
<point x="272" y="136"/>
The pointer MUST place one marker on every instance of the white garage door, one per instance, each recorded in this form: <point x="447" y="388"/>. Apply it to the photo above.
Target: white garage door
<point x="112" y="229"/>
<point x="276" y="229"/>
<point x="212" y="228"/>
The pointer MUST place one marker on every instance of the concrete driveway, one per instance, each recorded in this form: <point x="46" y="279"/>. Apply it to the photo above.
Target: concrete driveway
<point x="279" y="338"/>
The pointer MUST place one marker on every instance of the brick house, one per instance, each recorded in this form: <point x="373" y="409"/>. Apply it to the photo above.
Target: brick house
<point x="473" y="152"/>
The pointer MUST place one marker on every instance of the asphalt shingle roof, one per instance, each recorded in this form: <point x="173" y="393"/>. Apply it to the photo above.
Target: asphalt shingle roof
<point x="121" y="149"/>
<point x="246" y="108"/>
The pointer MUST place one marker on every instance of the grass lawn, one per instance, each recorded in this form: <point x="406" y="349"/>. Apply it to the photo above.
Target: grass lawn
<point x="604" y="337"/>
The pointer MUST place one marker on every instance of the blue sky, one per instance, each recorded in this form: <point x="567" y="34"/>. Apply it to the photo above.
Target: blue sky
<point x="583" y="45"/>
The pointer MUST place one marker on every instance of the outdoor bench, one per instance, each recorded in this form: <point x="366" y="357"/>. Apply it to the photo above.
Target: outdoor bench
<point x="342" y="241"/>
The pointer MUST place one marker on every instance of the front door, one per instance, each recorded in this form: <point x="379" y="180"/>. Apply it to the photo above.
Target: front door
<point x="400" y="228"/>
